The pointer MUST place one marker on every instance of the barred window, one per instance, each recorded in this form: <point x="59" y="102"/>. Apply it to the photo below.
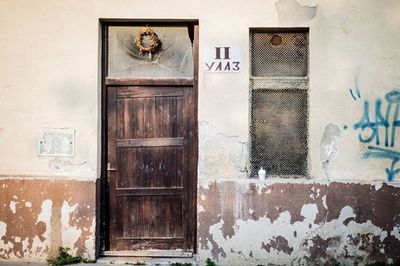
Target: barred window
<point x="279" y="102"/>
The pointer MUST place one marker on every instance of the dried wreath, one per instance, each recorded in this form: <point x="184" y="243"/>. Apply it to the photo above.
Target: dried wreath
<point x="154" y="41"/>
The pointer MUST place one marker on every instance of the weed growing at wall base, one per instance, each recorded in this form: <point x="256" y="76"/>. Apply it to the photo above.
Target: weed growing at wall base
<point x="64" y="258"/>
<point x="209" y="262"/>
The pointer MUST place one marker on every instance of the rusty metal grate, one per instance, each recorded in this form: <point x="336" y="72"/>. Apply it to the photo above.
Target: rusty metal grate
<point x="279" y="103"/>
<point x="279" y="54"/>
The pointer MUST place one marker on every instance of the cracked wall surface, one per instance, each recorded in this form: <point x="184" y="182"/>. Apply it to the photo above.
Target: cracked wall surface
<point x="221" y="155"/>
<point x="39" y="216"/>
<point x="264" y="223"/>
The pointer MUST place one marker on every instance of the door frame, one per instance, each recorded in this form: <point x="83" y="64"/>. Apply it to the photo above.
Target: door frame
<point x="102" y="228"/>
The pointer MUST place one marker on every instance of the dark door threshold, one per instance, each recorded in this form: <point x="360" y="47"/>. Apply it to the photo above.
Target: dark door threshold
<point x="149" y="253"/>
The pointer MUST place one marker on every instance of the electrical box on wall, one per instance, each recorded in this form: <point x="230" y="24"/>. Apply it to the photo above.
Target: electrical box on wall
<point x="56" y="142"/>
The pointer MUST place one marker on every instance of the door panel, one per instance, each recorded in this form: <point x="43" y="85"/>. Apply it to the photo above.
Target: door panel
<point x="154" y="217"/>
<point x="150" y="167"/>
<point x="150" y="132"/>
<point x="154" y="115"/>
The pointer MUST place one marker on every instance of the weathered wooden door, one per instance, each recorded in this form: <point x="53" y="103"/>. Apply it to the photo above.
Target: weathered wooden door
<point x="152" y="158"/>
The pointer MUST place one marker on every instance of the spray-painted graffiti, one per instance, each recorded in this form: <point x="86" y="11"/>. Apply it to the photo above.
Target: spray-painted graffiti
<point x="378" y="130"/>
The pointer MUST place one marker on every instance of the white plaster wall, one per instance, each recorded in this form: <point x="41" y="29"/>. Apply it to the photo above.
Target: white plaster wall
<point x="49" y="75"/>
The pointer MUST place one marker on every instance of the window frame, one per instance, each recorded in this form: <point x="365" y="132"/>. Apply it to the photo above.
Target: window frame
<point x="279" y="83"/>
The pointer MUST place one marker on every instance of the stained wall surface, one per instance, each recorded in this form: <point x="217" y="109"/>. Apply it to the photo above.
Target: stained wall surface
<point x="39" y="216"/>
<point x="50" y="77"/>
<point x="298" y="223"/>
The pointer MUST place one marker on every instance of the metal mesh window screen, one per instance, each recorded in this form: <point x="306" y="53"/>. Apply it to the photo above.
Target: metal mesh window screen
<point x="279" y="113"/>
<point x="279" y="132"/>
<point x="277" y="54"/>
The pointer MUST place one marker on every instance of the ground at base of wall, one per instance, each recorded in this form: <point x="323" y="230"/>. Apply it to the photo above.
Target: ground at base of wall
<point x="42" y="264"/>
<point x="147" y="261"/>
<point x="160" y="262"/>
<point x="119" y="262"/>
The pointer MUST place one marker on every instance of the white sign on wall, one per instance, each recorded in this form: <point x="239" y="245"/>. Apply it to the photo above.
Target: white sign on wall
<point x="222" y="58"/>
<point x="56" y="142"/>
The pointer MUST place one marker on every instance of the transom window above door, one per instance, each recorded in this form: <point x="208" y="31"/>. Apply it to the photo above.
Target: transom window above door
<point x="147" y="51"/>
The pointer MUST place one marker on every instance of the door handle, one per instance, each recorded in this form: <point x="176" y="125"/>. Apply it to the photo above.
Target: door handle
<point x="109" y="168"/>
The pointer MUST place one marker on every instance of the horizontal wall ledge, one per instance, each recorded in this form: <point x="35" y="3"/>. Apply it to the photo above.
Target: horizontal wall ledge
<point x="150" y="81"/>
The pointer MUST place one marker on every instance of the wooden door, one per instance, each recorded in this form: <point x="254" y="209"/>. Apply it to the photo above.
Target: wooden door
<point x="151" y="138"/>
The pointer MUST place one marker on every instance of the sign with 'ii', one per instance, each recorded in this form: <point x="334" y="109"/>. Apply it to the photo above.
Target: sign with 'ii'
<point x="222" y="58"/>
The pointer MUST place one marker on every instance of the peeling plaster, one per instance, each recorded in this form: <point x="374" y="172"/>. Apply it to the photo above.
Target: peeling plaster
<point x="278" y="243"/>
<point x="324" y="202"/>
<point x="70" y="234"/>
<point x="378" y="186"/>
<point x="329" y="146"/>
<point x="220" y="155"/>
<point x="396" y="232"/>
<point x="67" y="167"/>
<point x="92" y="176"/>
<point x="38" y="216"/>
<point x="292" y="13"/>
<point x="309" y="3"/>
<point x="338" y="223"/>
<point x="13" y="206"/>
<point x="200" y="209"/>
<point x="90" y="242"/>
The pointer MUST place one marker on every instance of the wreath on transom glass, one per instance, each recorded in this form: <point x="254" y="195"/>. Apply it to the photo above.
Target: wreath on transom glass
<point x="154" y="44"/>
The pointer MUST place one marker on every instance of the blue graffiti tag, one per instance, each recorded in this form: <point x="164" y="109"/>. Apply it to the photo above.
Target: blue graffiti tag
<point x="389" y="121"/>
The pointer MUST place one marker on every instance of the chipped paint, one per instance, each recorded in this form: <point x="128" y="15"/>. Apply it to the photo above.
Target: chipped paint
<point x="298" y="223"/>
<point x="329" y="146"/>
<point x="291" y="12"/>
<point x="86" y="175"/>
<point x="378" y="186"/>
<point x="396" y="232"/>
<point x="221" y="155"/>
<point x="68" y="168"/>
<point x="13" y="206"/>
<point x="70" y="234"/>
<point x="38" y="216"/>
<point x="310" y="3"/>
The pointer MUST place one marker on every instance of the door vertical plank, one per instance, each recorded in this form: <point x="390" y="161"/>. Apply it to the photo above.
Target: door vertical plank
<point x="180" y="133"/>
<point x="140" y="116"/>
<point x="149" y="117"/>
<point x="186" y="173"/>
<point x="159" y="117"/>
<point x="165" y="122"/>
<point x="122" y="104"/>
<point x="173" y="115"/>
<point x="136" y="118"/>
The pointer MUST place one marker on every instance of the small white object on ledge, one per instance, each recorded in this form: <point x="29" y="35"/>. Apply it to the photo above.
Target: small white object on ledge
<point x="261" y="174"/>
